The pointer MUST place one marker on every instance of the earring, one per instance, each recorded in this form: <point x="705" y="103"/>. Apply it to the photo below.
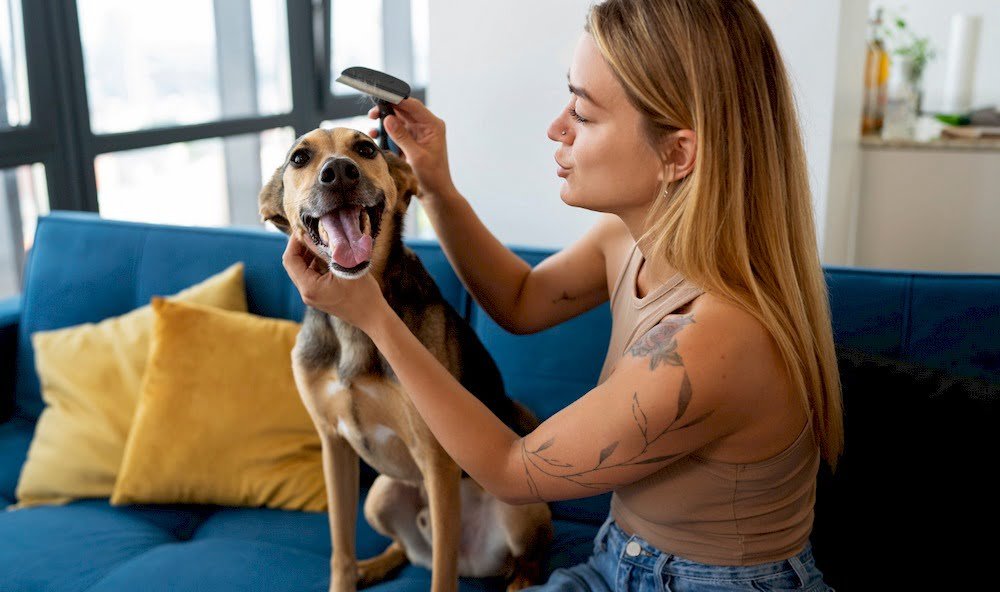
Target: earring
<point x="564" y="132"/>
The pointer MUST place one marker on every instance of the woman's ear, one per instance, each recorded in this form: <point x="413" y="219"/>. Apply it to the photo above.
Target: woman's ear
<point x="680" y="149"/>
<point x="270" y="202"/>
<point x="402" y="175"/>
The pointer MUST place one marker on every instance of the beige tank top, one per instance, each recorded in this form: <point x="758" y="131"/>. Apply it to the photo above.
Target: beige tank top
<point x="700" y="509"/>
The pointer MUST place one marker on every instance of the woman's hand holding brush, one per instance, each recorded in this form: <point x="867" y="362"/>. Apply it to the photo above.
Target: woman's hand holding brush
<point x="421" y="138"/>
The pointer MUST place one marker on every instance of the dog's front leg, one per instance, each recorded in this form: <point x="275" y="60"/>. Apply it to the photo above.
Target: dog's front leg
<point x="442" y="478"/>
<point x="341" y="471"/>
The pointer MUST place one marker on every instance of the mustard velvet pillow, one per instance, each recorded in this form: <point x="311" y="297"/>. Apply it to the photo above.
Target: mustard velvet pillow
<point x="90" y="376"/>
<point x="220" y="420"/>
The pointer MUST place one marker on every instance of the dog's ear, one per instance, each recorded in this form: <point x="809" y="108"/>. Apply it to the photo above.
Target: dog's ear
<point x="270" y="202"/>
<point x="402" y="174"/>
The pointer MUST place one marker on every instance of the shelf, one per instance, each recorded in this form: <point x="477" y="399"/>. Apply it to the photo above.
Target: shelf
<point x="928" y="136"/>
<point x="872" y="141"/>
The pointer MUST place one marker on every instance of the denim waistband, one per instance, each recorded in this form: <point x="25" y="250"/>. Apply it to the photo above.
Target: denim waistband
<point x="618" y="542"/>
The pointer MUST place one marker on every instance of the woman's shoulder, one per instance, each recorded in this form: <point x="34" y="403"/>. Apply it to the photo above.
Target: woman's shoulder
<point x="761" y="392"/>
<point x="722" y="316"/>
<point x="731" y="343"/>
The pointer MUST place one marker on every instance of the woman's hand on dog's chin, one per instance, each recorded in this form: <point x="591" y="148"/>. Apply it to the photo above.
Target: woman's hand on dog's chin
<point x="359" y="301"/>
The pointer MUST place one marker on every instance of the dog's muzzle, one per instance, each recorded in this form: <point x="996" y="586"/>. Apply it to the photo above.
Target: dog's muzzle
<point x="347" y="234"/>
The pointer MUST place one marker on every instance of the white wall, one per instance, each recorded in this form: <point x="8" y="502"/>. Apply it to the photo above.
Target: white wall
<point x="497" y="76"/>
<point x="822" y="43"/>
<point x="932" y="18"/>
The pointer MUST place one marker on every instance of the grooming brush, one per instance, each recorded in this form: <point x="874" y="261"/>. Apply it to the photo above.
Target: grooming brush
<point x="385" y="89"/>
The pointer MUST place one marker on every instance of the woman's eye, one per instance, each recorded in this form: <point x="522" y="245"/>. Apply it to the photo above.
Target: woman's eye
<point x="575" y="116"/>
<point x="300" y="157"/>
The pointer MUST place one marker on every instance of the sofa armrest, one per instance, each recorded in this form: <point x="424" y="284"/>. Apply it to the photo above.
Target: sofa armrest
<point x="10" y="316"/>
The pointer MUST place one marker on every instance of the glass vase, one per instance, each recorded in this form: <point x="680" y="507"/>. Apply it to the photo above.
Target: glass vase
<point x="903" y="104"/>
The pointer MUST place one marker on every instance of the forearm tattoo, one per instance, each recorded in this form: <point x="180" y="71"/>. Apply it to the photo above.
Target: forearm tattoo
<point x="659" y="344"/>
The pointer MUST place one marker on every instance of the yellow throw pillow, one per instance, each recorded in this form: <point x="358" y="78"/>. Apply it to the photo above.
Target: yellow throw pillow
<point x="90" y="376"/>
<point x="220" y="420"/>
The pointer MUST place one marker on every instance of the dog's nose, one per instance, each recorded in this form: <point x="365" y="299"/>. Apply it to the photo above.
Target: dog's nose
<point x="339" y="174"/>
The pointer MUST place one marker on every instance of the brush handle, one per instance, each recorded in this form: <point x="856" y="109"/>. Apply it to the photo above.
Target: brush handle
<point x="385" y="142"/>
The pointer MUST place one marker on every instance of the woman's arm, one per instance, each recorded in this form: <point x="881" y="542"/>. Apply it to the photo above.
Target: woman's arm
<point x="669" y="396"/>
<point x="521" y="299"/>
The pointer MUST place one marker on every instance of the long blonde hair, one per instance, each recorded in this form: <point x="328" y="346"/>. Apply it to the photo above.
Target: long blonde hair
<point x="740" y="225"/>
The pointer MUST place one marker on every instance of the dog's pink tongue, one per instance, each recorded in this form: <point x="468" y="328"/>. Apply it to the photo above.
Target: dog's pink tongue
<point x="348" y="246"/>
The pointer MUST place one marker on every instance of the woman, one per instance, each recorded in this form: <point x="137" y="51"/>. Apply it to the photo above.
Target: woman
<point x="720" y="390"/>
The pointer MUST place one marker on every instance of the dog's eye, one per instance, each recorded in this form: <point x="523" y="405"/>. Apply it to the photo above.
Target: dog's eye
<point x="299" y="157"/>
<point x="366" y="149"/>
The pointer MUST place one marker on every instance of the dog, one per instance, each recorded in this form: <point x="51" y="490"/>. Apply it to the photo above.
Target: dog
<point x="349" y="197"/>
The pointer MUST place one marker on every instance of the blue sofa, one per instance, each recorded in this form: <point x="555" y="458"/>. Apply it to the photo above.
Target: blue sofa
<point x="84" y="268"/>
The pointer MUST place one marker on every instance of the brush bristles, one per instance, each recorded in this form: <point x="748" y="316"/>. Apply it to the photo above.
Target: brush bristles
<point x="372" y="90"/>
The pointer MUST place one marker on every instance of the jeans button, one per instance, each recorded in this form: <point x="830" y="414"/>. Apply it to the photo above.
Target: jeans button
<point x="632" y="549"/>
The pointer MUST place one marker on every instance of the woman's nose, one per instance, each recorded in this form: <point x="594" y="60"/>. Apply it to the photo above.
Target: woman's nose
<point x="557" y="127"/>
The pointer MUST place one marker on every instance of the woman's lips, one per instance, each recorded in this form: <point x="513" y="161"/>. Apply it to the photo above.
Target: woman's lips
<point x="561" y="170"/>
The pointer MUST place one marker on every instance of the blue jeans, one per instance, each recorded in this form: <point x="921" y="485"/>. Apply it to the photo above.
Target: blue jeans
<point x="628" y="563"/>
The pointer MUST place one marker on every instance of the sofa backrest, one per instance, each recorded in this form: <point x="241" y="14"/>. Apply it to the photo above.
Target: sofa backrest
<point x="947" y="321"/>
<point x="83" y="268"/>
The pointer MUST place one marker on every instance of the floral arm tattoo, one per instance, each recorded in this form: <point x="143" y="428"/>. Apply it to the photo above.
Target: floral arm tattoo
<point x="659" y="344"/>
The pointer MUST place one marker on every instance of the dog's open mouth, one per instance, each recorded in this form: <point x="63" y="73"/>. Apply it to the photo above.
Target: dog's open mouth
<point x="347" y="234"/>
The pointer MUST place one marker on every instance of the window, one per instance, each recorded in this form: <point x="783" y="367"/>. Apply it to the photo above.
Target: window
<point x="23" y="197"/>
<point x="186" y="63"/>
<point x="178" y="112"/>
<point x="14" y="109"/>
<point x="171" y="183"/>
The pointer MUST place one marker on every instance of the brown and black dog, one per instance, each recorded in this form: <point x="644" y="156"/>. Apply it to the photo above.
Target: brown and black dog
<point x="348" y="198"/>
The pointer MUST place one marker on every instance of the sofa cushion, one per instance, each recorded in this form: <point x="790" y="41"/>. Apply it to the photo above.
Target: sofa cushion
<point x="219" y="419"/>
<point x="914" y="478"/>
<point x="91" y="376"/>
<point x="90" y="545"/>
<point x="72" y="547"/>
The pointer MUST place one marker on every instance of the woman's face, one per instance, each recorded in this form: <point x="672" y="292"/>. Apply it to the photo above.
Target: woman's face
<point x="610" y="167"/>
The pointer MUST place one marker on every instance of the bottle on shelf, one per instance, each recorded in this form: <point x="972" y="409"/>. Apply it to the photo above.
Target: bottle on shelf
<point x="876" y="79"/>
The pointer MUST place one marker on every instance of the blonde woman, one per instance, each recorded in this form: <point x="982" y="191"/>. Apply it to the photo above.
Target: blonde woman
<point x="681" y="129"/>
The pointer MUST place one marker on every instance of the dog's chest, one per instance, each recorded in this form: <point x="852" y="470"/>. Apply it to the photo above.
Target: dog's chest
<point x="368" y="414"/>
